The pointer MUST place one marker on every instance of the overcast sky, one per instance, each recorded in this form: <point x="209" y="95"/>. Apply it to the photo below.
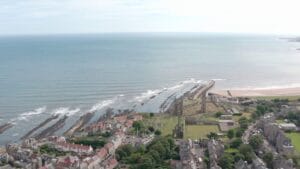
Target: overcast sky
<point x="97" y="16"/>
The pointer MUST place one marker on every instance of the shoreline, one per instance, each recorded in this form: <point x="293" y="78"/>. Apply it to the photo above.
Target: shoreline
<point x="276" y="92"/>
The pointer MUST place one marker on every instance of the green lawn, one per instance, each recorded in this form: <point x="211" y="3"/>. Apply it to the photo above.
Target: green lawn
<point x="295" y="137"/>
<point x="165" y="123"/>
<point x="199" y="131"/>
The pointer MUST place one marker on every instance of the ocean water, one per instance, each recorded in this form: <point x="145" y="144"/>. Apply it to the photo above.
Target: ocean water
<point x="72" y="74"/>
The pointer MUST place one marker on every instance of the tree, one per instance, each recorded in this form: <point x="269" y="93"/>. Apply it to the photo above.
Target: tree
<point x="218" y="114"/>
<point x="226" y="161"/>
<point x="138" y="125"/>
<point x="124" y="151"/>
<point x="243" y="121"/>
<point x="151" y="129"/>
<point x="157" y="132"/>
<point x="212" y="135"/>
<point x="239" y="132"/>
<point x="230" y="133"/>
<point x="256" y="141"/>
<point x="151" y="114"/>
<point x="247" y="151"/>
<point x="236" y="143"/>
<point x="268" y="159"/>
<point x="238" y="157"/>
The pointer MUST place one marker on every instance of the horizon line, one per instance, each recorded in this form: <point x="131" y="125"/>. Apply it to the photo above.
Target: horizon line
<point x="146" y="32"/>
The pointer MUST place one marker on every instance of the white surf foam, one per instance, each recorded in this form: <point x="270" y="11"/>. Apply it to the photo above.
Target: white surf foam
<point x="147" y="95"/>
<point x="101" y="105"/>
<point x="218" y="79"/>
<point x="35" y="112"/>
<point x="65" y="111"/>
<point x="150" y="93"/>
<point x="26" y="115"/>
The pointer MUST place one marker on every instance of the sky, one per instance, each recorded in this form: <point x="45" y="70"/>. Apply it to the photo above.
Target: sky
<point x="102" y="16"/>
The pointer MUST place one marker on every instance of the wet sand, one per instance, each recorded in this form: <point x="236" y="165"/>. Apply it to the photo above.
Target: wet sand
<point x="261" y="92"/>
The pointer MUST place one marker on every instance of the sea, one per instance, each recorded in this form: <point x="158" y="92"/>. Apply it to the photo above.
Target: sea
<point x="42" y="75"/>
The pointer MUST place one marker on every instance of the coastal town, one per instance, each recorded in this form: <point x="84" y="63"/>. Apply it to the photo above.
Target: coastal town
<point x="199" y="130"/>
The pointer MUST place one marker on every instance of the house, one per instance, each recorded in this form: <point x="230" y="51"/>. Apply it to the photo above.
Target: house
<point x="94" y="161"/>
<point x="81" y="149"/>
<point x="111" y="163"/>
<point x="235" y="111"/>
<point x="226" y="117"/>
<point x="288" y="126"/>
<point x="67" y="162"/>
<point x="137" y="117"/>
<point x="120" y="119"/>
<point x="226" y="125"/>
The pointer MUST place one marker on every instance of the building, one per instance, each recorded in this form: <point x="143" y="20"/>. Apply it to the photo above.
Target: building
<point x="94" y="161"/>
<point x="67" y="162"/>
<point x="288" y="126"/>
<point x="74" y="147"/>
<point x="226" y="125"/>
<point x="111" y="163"/>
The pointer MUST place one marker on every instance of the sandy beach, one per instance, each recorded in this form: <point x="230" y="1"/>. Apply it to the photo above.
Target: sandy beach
<point x="262" y="92"/>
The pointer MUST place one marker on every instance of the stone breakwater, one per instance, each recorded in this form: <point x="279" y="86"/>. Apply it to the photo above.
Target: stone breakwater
<point x="44" y="123"/>
<point x="80" y="123"/>
<point x="52" y="129"/>
<point x="5" y="127"/>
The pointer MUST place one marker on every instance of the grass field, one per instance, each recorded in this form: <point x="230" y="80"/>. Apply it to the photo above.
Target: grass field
<point x="165" y="123"/>
<point x="295" y="137"/>
<point x="199" y="131"/>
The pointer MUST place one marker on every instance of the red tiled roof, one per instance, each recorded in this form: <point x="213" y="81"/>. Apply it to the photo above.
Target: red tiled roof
<point x="102" y="153"/>
<point x="121" y="119"/>
<point x="112" y="163"/>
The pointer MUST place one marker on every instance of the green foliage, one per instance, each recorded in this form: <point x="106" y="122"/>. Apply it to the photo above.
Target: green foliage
<point x="238" y="157"/>
<point x="226" y="161"/>
<point x="294" y="117"/>
<point x="157" y="132"/>
<point x="280" y="101"/>
<point x="46" y="149"/>
<point x="218" y="114"/>
<point x="230" y="133"/>
<point x="138" y="125"/>
<point x="124" y="151"/>
<point x="244" y="122"/>
<point x="256" y="141"/>
<point x="261" y="109"/>
<point x="247" y="151"/>
<point x="95" y="143"/>
<point x="151" y="114"/>
<point x="268" y="159"/>
<point x="151" y="129"/>
<point x="236" y="143"/>
<point x="153" y="156"/>
<point x="212" y="135"/>
<point x="106" y="134"/>
<point x="239" y="132"/>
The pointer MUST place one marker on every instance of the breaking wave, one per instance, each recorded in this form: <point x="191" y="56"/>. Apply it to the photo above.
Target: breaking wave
<point x="218" y="79"/>
<point x="65" y="111"/>
<point x="147" y="94"/>
<point x="152" y="93"/>
<point x="101" y="105"/>
<point x="24" y="116"/>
